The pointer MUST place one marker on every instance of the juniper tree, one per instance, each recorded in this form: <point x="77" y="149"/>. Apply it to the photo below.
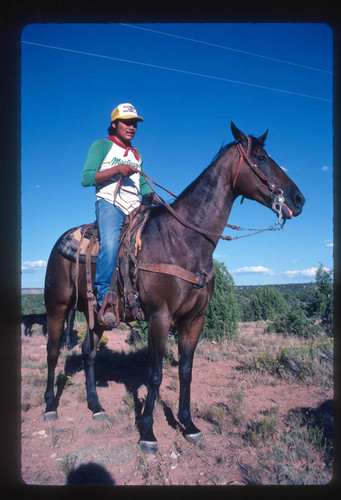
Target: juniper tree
<point x="222" y="314"/>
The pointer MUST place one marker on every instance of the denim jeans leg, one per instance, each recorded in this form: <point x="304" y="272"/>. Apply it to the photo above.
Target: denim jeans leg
<point x="110" y="220"/>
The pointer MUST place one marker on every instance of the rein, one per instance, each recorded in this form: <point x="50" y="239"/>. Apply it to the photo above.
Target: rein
<point x="210" y="234"/>
<point x="278" y="200"/>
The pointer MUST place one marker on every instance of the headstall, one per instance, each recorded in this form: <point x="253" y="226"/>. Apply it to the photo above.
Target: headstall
<point x="277" y="197"/>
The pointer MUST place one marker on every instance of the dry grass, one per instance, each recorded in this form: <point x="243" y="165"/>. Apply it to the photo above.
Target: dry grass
<point x="307" y="362"/>
<point x="263" y="446"/>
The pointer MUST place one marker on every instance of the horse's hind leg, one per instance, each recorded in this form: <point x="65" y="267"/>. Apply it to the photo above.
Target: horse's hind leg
<point x="188" y="338"/>
<point x="89" y="350"/>
<point x="55" y="323"/>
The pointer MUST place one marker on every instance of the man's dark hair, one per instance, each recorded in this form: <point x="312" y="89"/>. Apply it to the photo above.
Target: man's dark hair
<point x="111" y="129"/>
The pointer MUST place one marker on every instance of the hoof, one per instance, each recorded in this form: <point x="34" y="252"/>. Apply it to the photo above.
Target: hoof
<point x="100" y="415"/>
<point x="196" y="438"/>
<point x="148" y="447"/>
<point x="50" y="415"/>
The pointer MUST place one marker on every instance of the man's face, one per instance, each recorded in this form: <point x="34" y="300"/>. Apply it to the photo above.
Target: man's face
<point x="125" y="129"/>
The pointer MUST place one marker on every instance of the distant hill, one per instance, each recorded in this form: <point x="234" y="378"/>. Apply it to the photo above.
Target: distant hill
<point x="30" y="291"/>
<point x="33" y="298"/>
<point x="292" y="293"/>
<point x="282" y="288"/>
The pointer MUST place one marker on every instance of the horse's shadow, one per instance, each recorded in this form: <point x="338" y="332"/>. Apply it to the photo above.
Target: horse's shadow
<point x="129" y="369"/>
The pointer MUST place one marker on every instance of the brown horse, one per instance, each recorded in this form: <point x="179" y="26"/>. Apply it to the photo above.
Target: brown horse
<point x="242" y="168"/>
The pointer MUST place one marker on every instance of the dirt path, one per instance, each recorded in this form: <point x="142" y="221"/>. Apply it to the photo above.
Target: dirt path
<point x="107" y="452"/>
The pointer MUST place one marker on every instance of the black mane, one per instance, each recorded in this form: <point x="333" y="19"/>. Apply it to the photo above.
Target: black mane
<point x="201" y="179"/>
<point x="221" y="151"/>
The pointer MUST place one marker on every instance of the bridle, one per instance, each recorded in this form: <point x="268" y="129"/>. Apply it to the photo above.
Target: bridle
<point x="277" y="197"/>
<point x="277" y="200"/>
<point x="276" y="206"/>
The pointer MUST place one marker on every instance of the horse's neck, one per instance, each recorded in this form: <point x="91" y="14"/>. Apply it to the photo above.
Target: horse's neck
<point x="207" y="202"/>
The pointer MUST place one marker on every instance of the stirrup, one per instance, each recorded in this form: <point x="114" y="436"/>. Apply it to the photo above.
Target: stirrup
<point x="109" y="318"/>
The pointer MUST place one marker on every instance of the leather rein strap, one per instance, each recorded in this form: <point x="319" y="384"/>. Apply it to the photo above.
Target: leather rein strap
<point x="243" y="155"/>
<point x="182" y="221"/>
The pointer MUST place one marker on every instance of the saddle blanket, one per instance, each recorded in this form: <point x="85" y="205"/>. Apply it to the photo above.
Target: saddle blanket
<point x="80" y="236"/>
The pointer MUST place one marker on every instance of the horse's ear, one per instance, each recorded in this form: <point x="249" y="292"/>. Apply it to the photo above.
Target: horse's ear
<point x="262" y="138"/>
<point x="238" y="135"/>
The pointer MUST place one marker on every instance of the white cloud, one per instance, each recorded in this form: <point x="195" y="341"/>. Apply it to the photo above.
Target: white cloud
<point x="330" y="245"/>
<point x="325" y="168"/>
<point x="284" y="169"/>
<point x="303" y="273"/>
<point x="31" y="267"/>
<point x="253" y="270"/>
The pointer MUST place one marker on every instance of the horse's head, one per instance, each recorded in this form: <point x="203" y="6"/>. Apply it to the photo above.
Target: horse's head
<point x="259" y="178"/>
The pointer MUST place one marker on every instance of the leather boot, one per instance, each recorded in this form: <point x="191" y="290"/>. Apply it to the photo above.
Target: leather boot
<point x="107" y="318"/>
<point x="106" y="314"/>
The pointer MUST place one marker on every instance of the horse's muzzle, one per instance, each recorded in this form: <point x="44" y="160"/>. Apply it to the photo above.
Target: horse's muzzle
<point x="297" y="205"/>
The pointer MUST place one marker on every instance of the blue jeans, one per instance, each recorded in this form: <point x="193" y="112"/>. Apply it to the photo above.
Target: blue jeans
<point x="110" y="220"/>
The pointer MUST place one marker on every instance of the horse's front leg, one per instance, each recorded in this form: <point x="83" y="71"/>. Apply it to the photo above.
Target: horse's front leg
<point x="89" y="351"/>
<point x="69" y="328"/>
<point x="158" y="328"/>
<point x="188" y="339"/>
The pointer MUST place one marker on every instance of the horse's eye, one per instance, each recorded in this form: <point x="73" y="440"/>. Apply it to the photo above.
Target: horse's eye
<point x="261" y="158"/>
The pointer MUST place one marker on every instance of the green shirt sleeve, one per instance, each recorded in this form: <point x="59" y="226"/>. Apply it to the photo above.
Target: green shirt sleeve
<point x="97" y="152"/>
<point x="144" y="188"/>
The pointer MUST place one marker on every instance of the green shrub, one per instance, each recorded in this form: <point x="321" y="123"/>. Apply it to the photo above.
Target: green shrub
<point x="258" y="432"/>
<point x="303" y="363"/>
<point x="321" y="304"/>
<point x="33" y="303"/>
<point x="295" y="322"/>
<point x="222" y="314"/>
<point x="101" y="344"/>
<point x="265" y="303"/>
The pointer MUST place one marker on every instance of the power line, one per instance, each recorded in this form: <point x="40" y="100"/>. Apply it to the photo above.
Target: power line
<point x="226" y="48"/>
<point x="177" y="70"/>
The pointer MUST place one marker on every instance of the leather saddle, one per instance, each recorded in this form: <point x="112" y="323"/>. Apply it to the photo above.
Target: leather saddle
<point x="81" y="245"/>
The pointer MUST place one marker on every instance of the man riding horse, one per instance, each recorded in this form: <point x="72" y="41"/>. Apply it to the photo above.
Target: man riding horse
<point x="113" y="166"/>
<point x="174" y="264"/>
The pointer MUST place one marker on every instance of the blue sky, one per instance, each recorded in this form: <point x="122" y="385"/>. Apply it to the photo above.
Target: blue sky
<point x="188" y="81"/>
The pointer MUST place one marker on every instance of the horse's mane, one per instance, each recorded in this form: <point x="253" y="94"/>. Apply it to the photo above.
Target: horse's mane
<point x="201" y="178"/>
<point x="224" y="148"/>
<point x="221" y="151"/>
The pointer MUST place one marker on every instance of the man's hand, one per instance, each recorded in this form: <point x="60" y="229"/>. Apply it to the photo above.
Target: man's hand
<point x="124" y="170"/>
<point x="150" y="199"/>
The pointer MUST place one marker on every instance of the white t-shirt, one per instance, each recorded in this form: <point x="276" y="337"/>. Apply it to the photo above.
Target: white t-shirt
<point x="127" y="197"/>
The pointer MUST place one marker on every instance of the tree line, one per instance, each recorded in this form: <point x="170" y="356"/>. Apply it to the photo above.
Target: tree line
<point x="304" y="310"/>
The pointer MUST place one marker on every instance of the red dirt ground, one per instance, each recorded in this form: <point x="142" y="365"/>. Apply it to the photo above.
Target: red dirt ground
<point x="108" y="450"/>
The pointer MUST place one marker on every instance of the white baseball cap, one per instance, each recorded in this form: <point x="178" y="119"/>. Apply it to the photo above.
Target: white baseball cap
<point x="125" y="111"/>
